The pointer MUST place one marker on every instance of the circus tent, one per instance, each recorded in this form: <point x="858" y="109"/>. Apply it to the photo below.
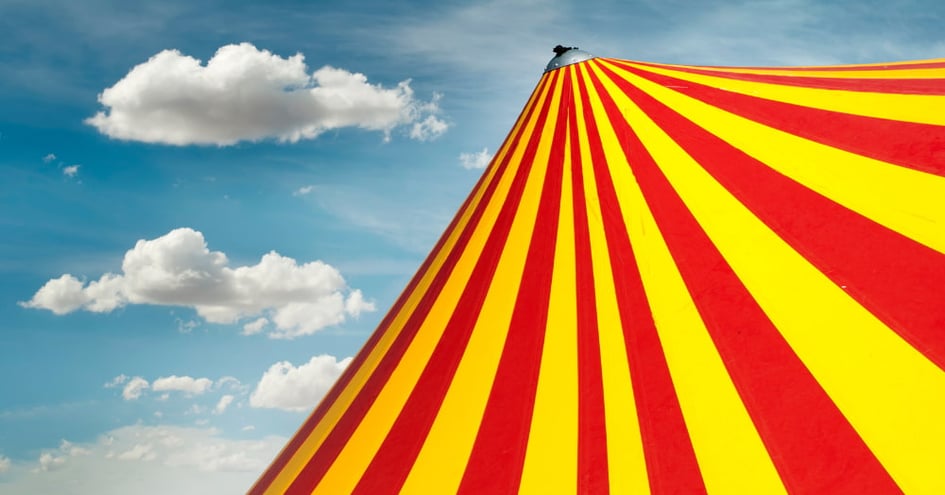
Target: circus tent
<point x="670" y="279"/>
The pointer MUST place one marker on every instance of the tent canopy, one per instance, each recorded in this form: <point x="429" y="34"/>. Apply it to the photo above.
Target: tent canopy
<point x="670" y="279"/>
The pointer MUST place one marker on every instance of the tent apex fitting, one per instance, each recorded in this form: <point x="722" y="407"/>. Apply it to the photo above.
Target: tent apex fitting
<point x="567" y="55"/>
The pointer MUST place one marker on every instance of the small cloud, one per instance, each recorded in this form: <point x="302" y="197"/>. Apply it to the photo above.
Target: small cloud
<point x="428" y="129"/>
<point x="228" y="382"/>
<point x="134" y="388"/>
<point x="248" y="428"/>
<point x="479" y="160"/>
<point x="4" y="464"/>
<point x="71" y="170"/>
<point x="284" y="386"/>
<point x="186" y="384"/>
<point x="224" y="402"/>
<point x="49" y="158"/>
<point x="255" y="326"/>
<point x="302" y="191"/>
<point x="54" y="459"/>
<point x="186" y="326"/>
<point x="118" y="380"/>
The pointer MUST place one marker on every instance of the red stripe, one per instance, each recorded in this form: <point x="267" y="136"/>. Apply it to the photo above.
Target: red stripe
<point x="592" y="424"/>
<point x="322" y="459"/>
<point x="391" y="465"/>
<point x="896" y="278"/>
<point x="498" y="454"/>
<point x="908" y="86"/>
<point x="812" y="445"/>
<point x="917" y="146"/>
<point x="670" y="459"/>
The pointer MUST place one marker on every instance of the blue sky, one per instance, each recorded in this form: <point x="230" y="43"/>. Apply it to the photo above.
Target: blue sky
<point x="205" y="209"/>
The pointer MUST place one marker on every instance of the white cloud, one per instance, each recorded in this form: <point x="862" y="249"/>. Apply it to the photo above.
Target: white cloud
<point x="60" y="295"/>
<point x="147" y="460"/>
<point x="230" y="383"/>
<point x="284" y="386"/>
<point x="139" y="452"/>
<point x="246" y="94"/>
<point x="53" y="459"/>
<point x="71" y="170"/>
<point x="178" y="269"/>
<point x="355" y="304"/>
<point x="49" y="158"/>
<point x="428" y="129"/>
<point x="48" y="461"/>
<point x="255" y="326"/>
<point x="476" y="160"/>
<point x="4" y="464"/>
<point x="186" y="384"/>
<point x="224" y="403"/>
<point x="302" y="191"/>
<point x="134" y="388"/>
<point x="118" y="380"/>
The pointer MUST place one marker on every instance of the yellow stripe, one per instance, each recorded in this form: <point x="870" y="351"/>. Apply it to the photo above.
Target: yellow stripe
<point x="360" y="448"/>
<point x="311" y="444"/>
<point x="892" y="395"/>
<point x="730" y="453"/>
<point x="905" y="200"/>
<point x="551" y="457"/>
<point x="625" y="459"/>
<point x="924" y="109"/>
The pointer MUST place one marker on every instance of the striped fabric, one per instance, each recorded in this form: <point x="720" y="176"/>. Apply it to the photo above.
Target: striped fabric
<point x="670" y="279"/>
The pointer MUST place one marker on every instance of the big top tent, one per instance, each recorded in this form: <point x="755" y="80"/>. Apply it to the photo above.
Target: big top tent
<point x="670" y="279"/>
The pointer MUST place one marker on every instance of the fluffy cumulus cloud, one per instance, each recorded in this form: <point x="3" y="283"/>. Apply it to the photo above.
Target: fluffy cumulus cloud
<point x="146" y="460"/>
<point x="476" y="160"/>
<point x="71" y="170"/>
<point x="284" y="386"/>
<point x="246" y="94"/>
<point x="178" y="269"/>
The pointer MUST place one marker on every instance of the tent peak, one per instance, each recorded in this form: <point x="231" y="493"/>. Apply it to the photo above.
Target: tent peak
<point x="567" y="55"/>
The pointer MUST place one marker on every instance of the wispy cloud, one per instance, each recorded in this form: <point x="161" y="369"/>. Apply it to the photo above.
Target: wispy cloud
<point x="302" y="191"/>
<point x="147" y="460"/>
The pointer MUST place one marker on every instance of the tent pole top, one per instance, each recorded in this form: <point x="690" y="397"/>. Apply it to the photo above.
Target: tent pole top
<point x="567" y="55"/>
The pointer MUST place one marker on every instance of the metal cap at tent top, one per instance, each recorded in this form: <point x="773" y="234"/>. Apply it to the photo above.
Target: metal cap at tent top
<point x="567" y="55"/>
